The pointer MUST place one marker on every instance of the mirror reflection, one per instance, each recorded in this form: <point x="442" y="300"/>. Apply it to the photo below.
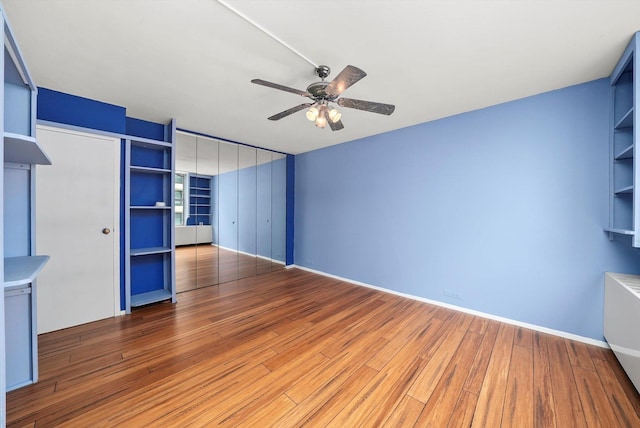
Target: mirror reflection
<point x="230" y="211"/>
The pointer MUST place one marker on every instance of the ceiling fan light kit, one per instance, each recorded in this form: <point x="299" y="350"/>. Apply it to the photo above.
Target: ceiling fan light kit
<point x="323" y="93"/>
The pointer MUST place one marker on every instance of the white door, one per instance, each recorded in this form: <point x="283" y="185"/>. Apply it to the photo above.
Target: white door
<point x="77" y="203"/>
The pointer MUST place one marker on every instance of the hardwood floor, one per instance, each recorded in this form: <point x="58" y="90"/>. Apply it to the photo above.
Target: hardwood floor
<point x="290" y="348"/>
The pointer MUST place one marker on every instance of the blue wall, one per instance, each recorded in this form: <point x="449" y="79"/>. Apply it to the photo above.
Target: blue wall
<point x="502" y="206"/>
<point x="70" y="109"/>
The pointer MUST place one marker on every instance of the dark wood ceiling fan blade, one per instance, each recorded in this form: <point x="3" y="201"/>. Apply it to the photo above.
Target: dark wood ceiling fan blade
<point x="343" y="80"/>
<point x="292" y="110"/>
<point x="280" y="87"/>
<point x="370" y="106"/>
<point x="335" y="126"/>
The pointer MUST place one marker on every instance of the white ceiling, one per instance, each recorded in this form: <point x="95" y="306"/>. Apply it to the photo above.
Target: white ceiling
<point x="194" y="59"/>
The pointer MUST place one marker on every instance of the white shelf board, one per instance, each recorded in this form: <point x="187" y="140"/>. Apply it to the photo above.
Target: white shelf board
<point x="22" y="270"/>
<point x="23" y="149"/>
<point x="148" y="251"/>
<point x="150" y="297"/>
<point x="620" y="231"/>
<point x="149" y="207"/>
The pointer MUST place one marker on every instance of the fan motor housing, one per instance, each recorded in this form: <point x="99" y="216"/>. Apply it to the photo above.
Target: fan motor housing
<point x="318" y="92"/>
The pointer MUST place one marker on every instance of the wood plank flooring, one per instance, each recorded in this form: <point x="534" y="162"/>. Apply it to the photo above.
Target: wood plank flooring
<point x="290" y="348"/>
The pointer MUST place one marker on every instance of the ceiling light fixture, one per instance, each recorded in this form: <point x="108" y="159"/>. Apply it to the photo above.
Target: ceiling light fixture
<point x="322" y="113"/>
<point x="323" y="94"/>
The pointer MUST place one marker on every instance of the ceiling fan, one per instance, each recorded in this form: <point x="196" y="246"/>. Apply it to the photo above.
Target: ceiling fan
<point x="324" y="93"/>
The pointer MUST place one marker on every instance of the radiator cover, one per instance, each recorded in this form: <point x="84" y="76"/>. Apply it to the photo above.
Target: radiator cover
<point x="622" y="321"/>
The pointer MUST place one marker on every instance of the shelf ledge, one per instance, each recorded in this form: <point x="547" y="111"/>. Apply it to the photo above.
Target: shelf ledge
<point x="619" y="231"/>
<point x="149" y="251"/>
<point x="22" y="270"/>
<point x="23" y="149"/>
<point x="626" y="153"/>
<point x="624" y="190"/>
<point x="150" y="297"/>
<point x="626" y="121"/>
<point x="149" y="207"/>
<point x="149" y="169"/>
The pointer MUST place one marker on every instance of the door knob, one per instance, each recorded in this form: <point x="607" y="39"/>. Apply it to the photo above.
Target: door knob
<point x="106" y="231"/>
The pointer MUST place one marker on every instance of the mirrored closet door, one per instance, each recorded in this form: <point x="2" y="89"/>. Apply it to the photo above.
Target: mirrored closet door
<point x="247" y="211"/>
<point x="202" y="211"/>
<point x="226" y="236"/>
<point x="264" y="217"/>
<point x="278" y="210"/>
<point x="230" y="205"/>
<point x="185" y="236"/>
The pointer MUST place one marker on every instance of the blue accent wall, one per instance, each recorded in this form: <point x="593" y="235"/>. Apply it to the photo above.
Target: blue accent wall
<point x="290" y="205"/>
<point x="69" y="109"/>
<point x="499" y="210"/>
<point x="145" y="129"/>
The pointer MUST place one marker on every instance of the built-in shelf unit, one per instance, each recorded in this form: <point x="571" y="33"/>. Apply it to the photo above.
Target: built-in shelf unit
<point x="149" y="235"/>
<point x="21" y="265"/>
<point x="624" y="203"/>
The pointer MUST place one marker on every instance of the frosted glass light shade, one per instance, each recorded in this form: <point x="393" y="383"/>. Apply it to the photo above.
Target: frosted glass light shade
<point x="334" y="115"/>
<point x="312" y="114"/>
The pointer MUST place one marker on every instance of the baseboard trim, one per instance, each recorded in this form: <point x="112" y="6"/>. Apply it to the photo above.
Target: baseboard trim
<point x="534" y="327"/>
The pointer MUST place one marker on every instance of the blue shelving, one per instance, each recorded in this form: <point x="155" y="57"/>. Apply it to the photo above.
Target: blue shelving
<point x="149" y="239"/>
<point x="624" y="206"/>
<point x="18" y="336"/>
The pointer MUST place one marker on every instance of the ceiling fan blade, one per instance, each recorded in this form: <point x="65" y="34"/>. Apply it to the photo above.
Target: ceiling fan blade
<point x="343" y="80"/>
<point x="280" y="87"/>
<point x="335" y="126"/>
<point x="290" y="111"/>
<point x="370" y="106"/>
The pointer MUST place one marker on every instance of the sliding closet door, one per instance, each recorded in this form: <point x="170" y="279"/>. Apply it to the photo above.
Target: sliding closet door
<point x="232" y="222"/>
<point x="278" y="210"/>
<point x="185" y="237"/>
<point x="247" y="211"/>
<point x="202" y="198"/>
<point x="227" y="236"/>
<point x="263" y="208"/>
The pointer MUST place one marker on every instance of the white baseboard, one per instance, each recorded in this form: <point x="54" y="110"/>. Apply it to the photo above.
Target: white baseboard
<point x="534" y="327"/>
